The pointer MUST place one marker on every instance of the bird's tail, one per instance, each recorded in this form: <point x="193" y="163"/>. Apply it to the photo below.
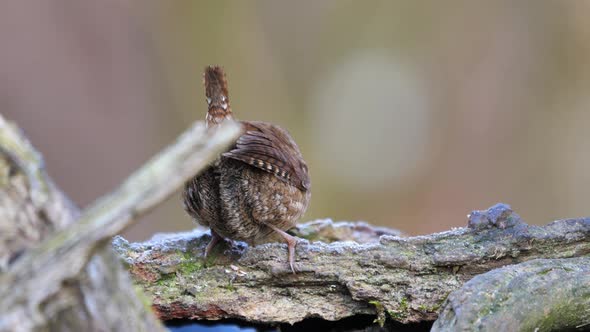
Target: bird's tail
<point x="217" y="96"/>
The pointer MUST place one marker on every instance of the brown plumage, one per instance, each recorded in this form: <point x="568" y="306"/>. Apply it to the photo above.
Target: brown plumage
<point x="255" y="191"/>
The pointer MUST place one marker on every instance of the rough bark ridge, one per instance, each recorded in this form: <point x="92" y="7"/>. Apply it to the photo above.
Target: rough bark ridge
<point x="406" y="279"/>
<point x="31" y="209"/>
<point x="61" y="275"/>
<point x="539" y="295"/>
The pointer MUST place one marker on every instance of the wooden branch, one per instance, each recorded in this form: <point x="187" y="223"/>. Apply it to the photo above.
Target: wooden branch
<point x="406" y="279"/>
<point x="36" y="285"/>
<point x="539" y="295"/>
<point x="32" y="208"/>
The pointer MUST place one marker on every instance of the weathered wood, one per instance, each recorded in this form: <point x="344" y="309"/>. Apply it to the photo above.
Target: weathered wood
<point x="31" y="209"/>
<point x="62" y="275"/>
<point x="539" y="295"/>
<point x="406" y="279"/>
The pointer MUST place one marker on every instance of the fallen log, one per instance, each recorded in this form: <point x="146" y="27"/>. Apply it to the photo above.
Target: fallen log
<point x="406" y="279"/>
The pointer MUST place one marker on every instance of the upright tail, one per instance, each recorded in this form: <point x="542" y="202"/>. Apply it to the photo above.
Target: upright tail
<point x="217" y="96"/>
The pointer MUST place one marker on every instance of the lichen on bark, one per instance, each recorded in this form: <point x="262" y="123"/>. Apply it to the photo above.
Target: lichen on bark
<point x="539" y="295"/>
<point x="57" y="271"/>
<point x="408" y="277"/>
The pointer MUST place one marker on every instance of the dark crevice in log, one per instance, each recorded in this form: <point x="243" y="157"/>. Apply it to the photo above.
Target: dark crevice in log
<point x="359" y="323"/>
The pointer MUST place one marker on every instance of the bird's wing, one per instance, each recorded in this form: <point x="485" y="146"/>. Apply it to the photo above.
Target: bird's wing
<point x="271" y="149"/>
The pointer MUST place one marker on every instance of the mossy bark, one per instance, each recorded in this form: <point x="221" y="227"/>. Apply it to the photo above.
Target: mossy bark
<point x="57" y="271"/>
<point x="407" y="279"/>
<point x="101" y="297"/>
<point x="540" y="295"/>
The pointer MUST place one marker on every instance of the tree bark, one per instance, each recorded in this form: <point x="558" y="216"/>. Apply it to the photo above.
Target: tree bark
<point x="540" y="295"/>
<point x="99" y="298"/>
<point x="406" y="279"/>
<point x="57" y="274"/>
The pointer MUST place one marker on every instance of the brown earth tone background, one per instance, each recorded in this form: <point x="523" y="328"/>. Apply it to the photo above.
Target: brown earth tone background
<point x="410" y="114"/>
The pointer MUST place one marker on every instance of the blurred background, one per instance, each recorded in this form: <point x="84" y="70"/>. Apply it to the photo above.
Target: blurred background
<point x="409" y="113"/>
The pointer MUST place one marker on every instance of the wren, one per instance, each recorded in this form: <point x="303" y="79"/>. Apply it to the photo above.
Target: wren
<point x="255" y="191"/>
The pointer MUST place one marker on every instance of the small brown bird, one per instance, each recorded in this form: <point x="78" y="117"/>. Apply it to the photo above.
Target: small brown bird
<point x="255" y="191"/>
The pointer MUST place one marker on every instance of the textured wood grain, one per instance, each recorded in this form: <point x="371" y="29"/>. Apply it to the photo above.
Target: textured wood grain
<point x="539" y="295"/>
<point x="61" y="275"/>
<point x="406" y="279"/>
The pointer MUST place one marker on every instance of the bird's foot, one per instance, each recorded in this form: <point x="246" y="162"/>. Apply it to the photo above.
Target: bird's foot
<point x="215" y="238"/>
<point x="291" y="244"/>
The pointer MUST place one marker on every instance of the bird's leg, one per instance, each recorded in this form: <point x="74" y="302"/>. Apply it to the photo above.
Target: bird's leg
<point x="215" y="238"/>
<point x="291" y="243"/>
